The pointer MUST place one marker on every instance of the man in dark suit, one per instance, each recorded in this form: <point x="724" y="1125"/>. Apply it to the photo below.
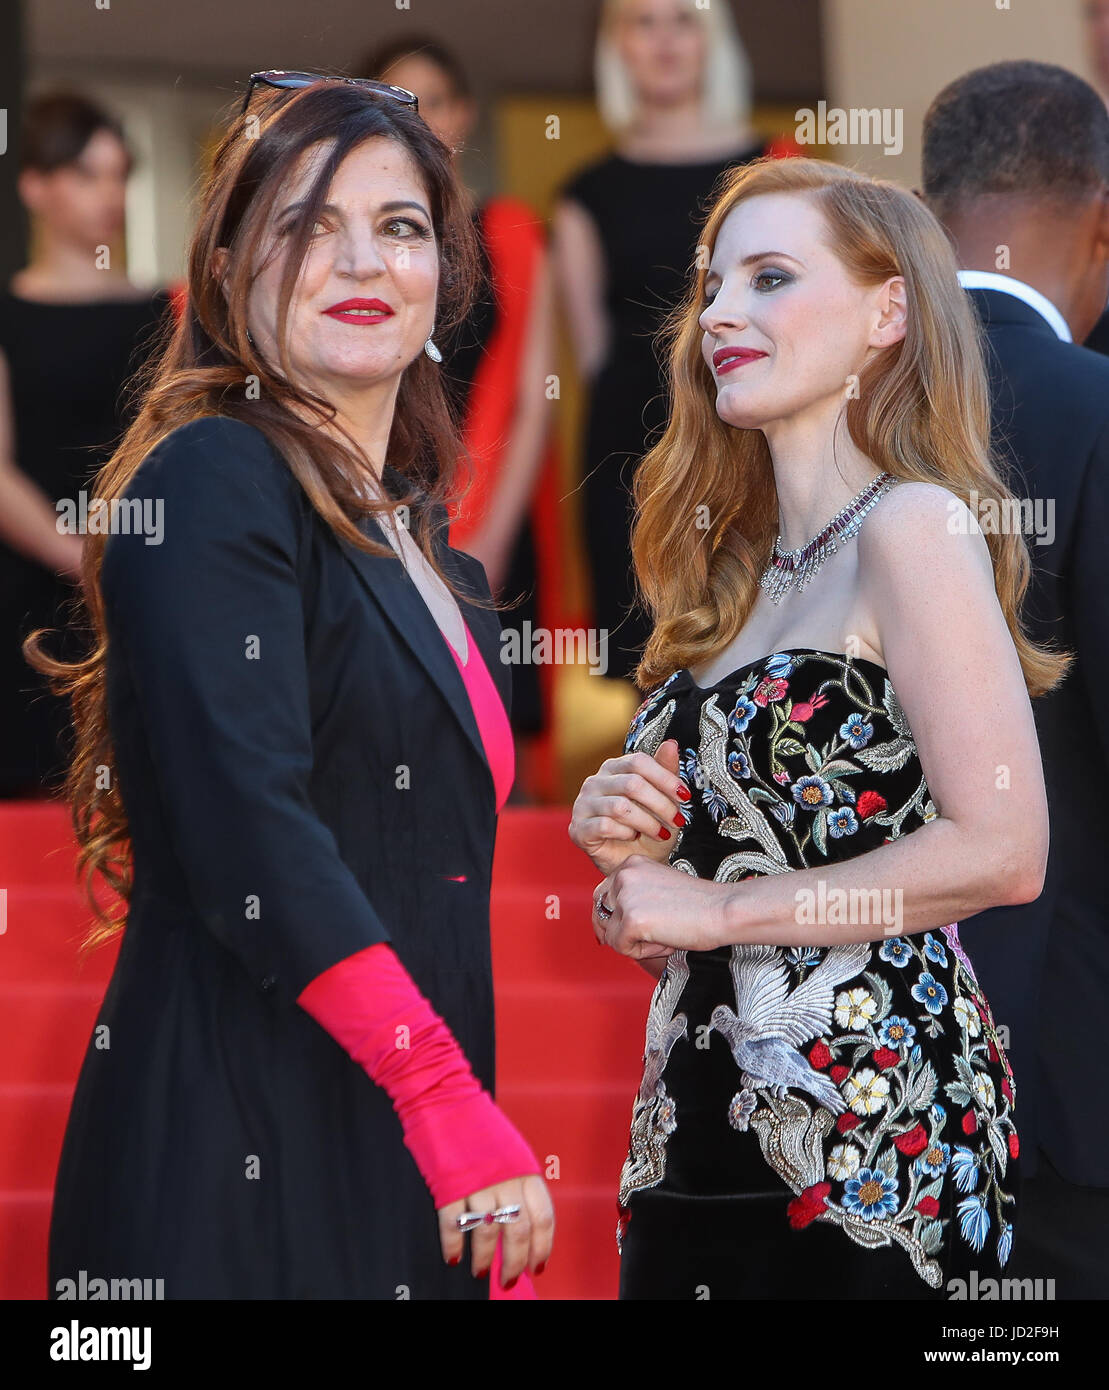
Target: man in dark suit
<point x="1016" y="166"/>
<point x="1099" y="338"/>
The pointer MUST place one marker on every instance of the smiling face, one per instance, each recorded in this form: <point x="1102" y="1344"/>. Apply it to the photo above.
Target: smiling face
<point x="373" y="243"/>
<point x="787" y="325"/>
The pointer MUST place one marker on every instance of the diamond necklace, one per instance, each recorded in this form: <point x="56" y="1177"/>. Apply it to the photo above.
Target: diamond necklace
<point x="789" y="567"/>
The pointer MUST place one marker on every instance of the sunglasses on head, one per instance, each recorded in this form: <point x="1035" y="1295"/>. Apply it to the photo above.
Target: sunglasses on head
<point x="277" y="77"/>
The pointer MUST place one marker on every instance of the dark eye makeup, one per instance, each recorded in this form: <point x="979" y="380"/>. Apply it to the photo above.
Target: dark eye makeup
<point x="760" y="281"/>
<point x="419" y="229"/>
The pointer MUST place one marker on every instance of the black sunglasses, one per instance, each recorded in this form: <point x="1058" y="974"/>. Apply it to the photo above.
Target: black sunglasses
<point x="276" y="77"/>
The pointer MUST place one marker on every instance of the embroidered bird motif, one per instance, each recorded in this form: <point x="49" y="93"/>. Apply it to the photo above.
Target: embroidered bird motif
<point x="771" y="1022"/>
<point x="664" y="1027"/>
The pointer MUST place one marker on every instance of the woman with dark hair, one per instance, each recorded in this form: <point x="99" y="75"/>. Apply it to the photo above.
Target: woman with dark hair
<point x="72" y="330"/>
<point x="292" y="748"/>
<point x="836" y="760"/>
<point x="498" y="362"/>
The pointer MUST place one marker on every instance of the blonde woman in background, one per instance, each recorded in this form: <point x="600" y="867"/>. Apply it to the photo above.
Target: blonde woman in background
<point x="674" y="87"/>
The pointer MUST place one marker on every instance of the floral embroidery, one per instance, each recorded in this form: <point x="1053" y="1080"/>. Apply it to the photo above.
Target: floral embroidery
<point x="742" y="1108"/>
<point x="870" y="1074"/>
<point x="896" y="952"/>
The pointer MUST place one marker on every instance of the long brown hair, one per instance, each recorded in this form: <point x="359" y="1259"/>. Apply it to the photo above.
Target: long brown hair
<point x="203" y="365"/>
<point x="921" y="412"/>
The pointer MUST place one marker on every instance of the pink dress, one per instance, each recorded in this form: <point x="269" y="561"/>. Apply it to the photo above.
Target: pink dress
<point x="489" y="711"/>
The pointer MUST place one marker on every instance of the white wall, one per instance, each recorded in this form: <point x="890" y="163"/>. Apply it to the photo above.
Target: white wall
<point x="165" y="124"/>
<point x="899" y="53"/>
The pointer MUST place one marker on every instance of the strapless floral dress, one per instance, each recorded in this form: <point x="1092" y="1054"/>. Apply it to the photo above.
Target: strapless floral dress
<point x="812" y="1122"/>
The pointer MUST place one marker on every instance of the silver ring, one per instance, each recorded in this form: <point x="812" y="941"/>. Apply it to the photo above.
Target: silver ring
<point x="602" y="909"/>
<point x="503" y="1215"/>
<point x="470" y="1219"/>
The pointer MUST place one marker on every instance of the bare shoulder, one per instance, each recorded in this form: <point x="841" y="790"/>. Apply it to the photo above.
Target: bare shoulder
<point x="917" y="527"/>
<point x="925" y="578"/>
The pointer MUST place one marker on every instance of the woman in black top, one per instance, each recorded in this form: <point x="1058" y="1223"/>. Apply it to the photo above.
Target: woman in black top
<point x="296" y="1099"/>
<point x="673" y="82"/>
<point x="71" y="331"/>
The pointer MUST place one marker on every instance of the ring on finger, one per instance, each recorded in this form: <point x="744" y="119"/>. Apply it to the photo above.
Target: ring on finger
<point x="503" y="1215"/>
<point x="469" y="1220"/>
<point x="602" y="909"/>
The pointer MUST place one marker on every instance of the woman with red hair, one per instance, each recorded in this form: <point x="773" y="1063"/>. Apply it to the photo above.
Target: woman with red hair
<point x="836" y="760"/>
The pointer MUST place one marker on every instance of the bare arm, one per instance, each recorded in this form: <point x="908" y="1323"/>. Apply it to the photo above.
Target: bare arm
<point x="579" y="267"/>
<point x="28" y="519"/>
<point x="955" y="669"/>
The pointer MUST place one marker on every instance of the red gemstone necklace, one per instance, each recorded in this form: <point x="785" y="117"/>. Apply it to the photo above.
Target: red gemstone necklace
<point x="797" y="567"/>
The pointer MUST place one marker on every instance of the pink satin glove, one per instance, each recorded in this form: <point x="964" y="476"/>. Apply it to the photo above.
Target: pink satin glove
<point x="458" y="1136"/>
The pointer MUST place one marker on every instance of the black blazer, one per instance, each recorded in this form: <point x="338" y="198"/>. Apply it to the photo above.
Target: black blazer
<point x="1045" y="965"/>
<point x="1098" y="341"/>
<point x="304" y="777"/>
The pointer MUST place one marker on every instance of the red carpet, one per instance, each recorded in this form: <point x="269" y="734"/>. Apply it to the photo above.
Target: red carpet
<point x="569" y="1035"/>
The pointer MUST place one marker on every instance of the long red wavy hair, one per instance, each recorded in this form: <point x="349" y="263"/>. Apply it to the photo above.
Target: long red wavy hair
<point x="921" y="412"/>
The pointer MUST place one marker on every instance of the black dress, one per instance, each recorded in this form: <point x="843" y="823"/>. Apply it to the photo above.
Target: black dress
<point x="67" y="364"/>
<point x="813" y="1122"/>
<point x="647" y="217"/>
<point x="303" y="776"/>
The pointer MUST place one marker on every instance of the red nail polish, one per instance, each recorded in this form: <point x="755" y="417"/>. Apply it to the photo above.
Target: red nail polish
<point x="510" y="1285"/>
<point x="454" y="1260"/>
<point x="540" y="1268"/>
<point x="684" y="793"/>
<point x="678" y="821"/>
<point x="663" y="833"/>
<point x="484" y="1273"/>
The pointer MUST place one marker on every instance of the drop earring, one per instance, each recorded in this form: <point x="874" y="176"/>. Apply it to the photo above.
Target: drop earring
<point x="432" y="351"/>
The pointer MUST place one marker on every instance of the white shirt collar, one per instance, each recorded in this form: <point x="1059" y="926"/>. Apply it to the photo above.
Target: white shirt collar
<point x="1005" y="284"/>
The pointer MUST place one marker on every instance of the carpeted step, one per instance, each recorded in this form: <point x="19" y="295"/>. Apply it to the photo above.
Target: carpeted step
<point x="46" y="1030"/>
<point x="32" y="1123"/>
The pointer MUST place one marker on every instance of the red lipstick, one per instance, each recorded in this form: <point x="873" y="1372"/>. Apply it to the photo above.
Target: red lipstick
<point x="726" y="359"/>
<point x="360" y="311"/>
